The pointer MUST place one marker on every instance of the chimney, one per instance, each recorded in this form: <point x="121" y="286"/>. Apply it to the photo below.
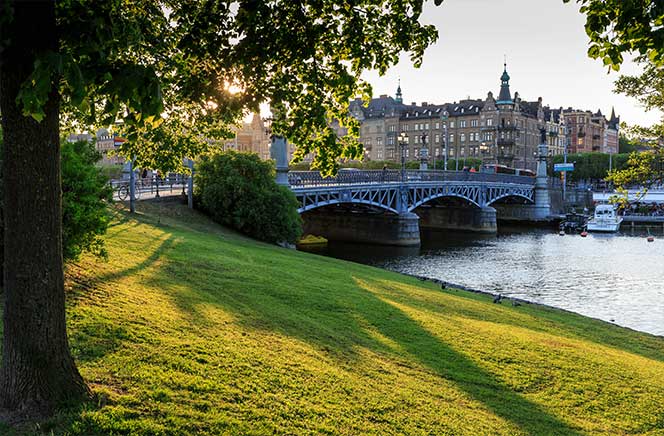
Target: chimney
<point x="414" y="103"/>
<point x="383" y="96"/>
<point x="424" y="103"/>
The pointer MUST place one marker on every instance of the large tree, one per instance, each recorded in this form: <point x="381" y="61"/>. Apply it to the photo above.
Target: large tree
<point x="634" y="27"/>
<point x="181" y="70"/>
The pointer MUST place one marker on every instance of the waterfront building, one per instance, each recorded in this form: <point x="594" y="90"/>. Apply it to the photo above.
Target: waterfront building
<point x="504" y="131"/>
<point x="591" y="132"/>
<point x="251" y="137"/>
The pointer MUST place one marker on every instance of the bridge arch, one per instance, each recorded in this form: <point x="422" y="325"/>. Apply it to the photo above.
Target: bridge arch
<point x="430" y="198"/>
<point x="324" y="203"/>
<point x="509" y="194"/>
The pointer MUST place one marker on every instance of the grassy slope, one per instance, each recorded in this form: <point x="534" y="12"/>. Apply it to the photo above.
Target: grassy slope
<point x="190" y="329"/>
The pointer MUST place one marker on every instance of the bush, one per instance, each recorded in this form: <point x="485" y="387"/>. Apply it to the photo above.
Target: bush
<point x="238" y="190"/>
<point x="589" y="166"/>
<point x="85" y="197"/>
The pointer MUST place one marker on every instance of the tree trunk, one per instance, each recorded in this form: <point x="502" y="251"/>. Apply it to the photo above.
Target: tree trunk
<point x="38" y="372"/>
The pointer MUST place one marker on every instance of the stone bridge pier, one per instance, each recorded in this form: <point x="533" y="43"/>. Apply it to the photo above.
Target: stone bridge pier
<point x="385" y="228"/>
<point x="468" y="219"/>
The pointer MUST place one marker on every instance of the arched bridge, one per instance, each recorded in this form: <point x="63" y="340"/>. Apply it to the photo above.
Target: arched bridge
<point x="402" y="192"/>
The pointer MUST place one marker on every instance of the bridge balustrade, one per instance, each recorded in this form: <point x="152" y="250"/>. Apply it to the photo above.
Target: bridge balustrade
<point x="355" y="177"/>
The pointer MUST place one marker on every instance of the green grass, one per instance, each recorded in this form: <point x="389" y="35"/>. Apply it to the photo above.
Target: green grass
<point x="190" y="329"/>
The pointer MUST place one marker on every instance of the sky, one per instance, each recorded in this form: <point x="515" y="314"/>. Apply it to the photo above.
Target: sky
<point x="544" y="42"/>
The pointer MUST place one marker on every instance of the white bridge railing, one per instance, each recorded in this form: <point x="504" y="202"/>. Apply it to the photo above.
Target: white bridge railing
<point x="303" y="179"/>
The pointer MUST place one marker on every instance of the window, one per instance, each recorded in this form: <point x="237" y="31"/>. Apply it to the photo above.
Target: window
<point x="379" y="154"/>
<point x="462" y="137"/>
<point x="489" y="122"/>
<point x="437" y="139"/>
<point x="452" y="152"/>
<point x="437" y="152"/>
<point x="406" y="127"/>
<point x="451" y="124"/>
<point x="462" y="124"/>
<point x="393" y="128"/>
<point x="416" y="127"/>
<point x="390" y="154"/>
<point x="462" y="151"/>
<point x="390" y="140"/>
<point x="426" y="126"/>
<point x="437" y="126"/>
<point x="473" y="123"/>
<point x="416" y="154"/>
<point x="379" y="141"/>
<point x="407" y="152"/>
<point x="451" y="138"/>
<point x="367" y="141"/>
<point x="417" y="139"/>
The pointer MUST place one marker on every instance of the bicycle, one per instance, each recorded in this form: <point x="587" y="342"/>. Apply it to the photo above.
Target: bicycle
<point x="123" y="192"/>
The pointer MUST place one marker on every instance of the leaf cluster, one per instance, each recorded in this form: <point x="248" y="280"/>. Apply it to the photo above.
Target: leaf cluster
<point x="168" y="68"/>
<point x="590" y="166"/>
<point x="86" y="194"/>
<point x="624" y="26"/>
<point x="239" y="191"/>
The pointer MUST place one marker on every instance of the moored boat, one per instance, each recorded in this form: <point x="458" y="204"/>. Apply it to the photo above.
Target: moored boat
<point x="605" y="219"/>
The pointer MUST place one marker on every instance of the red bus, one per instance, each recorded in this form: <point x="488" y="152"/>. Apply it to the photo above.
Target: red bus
<point x="502" y="169"/>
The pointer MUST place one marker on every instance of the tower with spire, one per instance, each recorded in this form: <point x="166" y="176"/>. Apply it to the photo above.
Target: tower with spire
<point x="505" y="96"/>
<point x="399" y="97"/>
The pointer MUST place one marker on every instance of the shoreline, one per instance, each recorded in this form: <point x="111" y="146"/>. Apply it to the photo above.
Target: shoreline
<point x="456" y="286"/>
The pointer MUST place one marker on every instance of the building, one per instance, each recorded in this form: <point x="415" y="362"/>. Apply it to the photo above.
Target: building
<point x="251" y="137"/>
<point x="591" y="132"/>
<point x="104" y="144"/>
<point x="505" y="131"/>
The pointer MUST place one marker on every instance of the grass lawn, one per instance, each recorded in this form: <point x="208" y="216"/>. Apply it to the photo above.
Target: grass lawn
<point x="190" y="329"/>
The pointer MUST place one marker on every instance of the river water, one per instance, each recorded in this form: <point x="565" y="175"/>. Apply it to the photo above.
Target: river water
<point x="616" y="278"/>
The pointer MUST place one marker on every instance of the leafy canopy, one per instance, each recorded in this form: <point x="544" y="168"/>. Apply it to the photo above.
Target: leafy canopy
<point x="178" y="73"/>
<point x="616" y="27"/>
<point x="624" y="26"/>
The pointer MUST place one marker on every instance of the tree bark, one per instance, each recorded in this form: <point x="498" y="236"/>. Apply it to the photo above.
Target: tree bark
<point x="38" y="372"/>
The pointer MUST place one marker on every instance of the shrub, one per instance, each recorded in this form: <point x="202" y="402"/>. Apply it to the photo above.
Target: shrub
<point x="85" y="197"/>
<point x="238" y="190"/>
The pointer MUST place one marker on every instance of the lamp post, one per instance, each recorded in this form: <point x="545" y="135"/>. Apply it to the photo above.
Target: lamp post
<point x="443" y="119"/>
<point x="568" y="136"/>
<point x="278" y="152"/>
<point x="424" y="153"/>
<point x="403" y="142"/>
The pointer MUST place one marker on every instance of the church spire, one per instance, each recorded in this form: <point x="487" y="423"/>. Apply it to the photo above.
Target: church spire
<point x="399" y="97"/>
<point x="505" y="96"/>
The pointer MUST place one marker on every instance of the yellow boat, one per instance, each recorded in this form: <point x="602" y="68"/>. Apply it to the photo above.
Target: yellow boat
<point x="312" y="240"/>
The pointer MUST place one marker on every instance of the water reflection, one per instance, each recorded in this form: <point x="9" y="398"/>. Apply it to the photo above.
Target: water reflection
<point x="611" y="277"/>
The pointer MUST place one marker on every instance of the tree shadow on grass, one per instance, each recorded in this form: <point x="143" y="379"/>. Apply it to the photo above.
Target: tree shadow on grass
<point x="545" y="320"/>
<point x="166" y="242"/>
<point x="335" y="321"/>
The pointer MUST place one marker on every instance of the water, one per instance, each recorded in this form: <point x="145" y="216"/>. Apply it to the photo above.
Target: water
<point x="617" y="278"/>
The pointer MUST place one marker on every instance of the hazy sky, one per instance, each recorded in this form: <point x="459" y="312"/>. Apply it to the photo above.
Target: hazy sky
<point x="545" y="44"/>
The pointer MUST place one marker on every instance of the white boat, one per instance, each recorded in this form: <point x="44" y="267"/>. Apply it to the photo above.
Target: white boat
<point x="605" y="219"/>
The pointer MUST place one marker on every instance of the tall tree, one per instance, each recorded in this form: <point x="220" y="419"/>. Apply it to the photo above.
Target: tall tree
<point x="178" y="69"/>
<point x="617" y="27"/>
<point x="37" y="368"/>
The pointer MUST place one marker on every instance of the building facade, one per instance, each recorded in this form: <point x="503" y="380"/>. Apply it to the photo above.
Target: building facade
<point x="251" y="137"/>
<point x="504" y="131"/>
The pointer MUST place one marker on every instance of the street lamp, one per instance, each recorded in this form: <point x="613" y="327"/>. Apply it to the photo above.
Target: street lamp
<point x="424" y="153"/>
<point x="403" y="142"/>
<point x="443" y="119"/>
